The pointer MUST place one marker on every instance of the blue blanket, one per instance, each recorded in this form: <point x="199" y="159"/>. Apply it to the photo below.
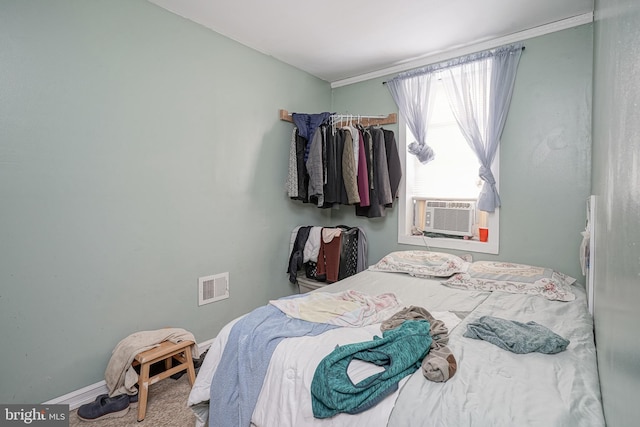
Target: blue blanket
<point x="516" y="337"/>
<point x="237" y="381"/>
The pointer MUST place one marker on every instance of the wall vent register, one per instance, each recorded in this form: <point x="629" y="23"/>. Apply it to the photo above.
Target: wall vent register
<point x="213" y="288"/>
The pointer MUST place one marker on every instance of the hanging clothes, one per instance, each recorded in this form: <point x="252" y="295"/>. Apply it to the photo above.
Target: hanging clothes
<point x="381" y="167"/>
<point x="307" y="124"/>
<point x="363" y="172"/>
<point x="297" y="254"/>
<point x="355" y="136"/>
<point x="349" y="169"/>
<point x="297" y="184"/>
<point x="373" y="152"/>
<point x="393" y="162"/>
<point x="351" y="165"/>
<point x="383" y="162"/>
<point x="331" y="160"/>
<point x="315" y="168"/>
<point x="291" y="184"/>
<point x="329" y="255"/>
<point x="342" y="189"/>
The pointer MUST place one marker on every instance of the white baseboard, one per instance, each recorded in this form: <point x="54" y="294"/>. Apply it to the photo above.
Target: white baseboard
<point x="204" y="345"/>
<point x="87" y="394"/>
<point x="77" y="398"/>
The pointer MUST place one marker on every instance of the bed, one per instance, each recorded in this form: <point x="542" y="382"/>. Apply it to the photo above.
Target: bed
<point x="492" y="384"/>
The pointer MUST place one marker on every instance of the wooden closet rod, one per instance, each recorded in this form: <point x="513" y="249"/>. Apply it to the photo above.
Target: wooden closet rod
<point x="363" y="120"/>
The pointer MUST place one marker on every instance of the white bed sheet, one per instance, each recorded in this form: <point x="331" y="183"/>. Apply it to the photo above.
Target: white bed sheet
<point x="490" y="384"/>
<point x="298" y="357"/>
<point x="497" y="388"/>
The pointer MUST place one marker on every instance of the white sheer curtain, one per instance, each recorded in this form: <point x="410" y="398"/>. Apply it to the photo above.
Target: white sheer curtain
<point x="411" y="94"/>
<point x="479" y="90"/>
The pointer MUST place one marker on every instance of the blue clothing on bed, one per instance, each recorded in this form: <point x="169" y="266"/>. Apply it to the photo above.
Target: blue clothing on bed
<point x="307" y="125"/>
<point x="516" y="337"/>
<point x="237" y="381"/>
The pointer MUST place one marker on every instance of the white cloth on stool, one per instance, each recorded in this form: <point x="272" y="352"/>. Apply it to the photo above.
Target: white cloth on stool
<point x="120" y="376"/>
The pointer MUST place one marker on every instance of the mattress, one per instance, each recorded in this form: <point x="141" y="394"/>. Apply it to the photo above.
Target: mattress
<point x="491" y="387"/>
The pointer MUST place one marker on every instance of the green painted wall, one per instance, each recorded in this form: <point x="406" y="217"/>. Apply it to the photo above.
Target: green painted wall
<point x="544" y="157"/>
<point x="616" y="184"/>
<point x="138" y="152"/>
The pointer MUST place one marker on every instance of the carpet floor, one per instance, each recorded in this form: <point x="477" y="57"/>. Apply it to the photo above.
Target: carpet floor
<point x="166" y="407"/>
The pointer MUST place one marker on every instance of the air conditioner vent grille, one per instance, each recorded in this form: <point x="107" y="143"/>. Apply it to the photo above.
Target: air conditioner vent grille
<point x="449" y="205"/>
<point x="454" y="217"/>
<point x="213" y="288"/>
<point x="451" y="219"/>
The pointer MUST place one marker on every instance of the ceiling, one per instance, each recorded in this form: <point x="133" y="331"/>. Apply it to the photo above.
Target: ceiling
<point x="341" y="39"/>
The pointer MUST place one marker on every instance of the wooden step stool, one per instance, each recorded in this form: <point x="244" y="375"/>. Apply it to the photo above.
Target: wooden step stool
<point x="167" y="351"/>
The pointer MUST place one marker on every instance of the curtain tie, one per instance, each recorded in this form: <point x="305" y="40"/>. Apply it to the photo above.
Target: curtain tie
<point x="486" y="175"/>
<point x="422" y="151"/>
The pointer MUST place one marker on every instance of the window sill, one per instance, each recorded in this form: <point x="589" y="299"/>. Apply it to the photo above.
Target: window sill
<point x="489" y="247"/>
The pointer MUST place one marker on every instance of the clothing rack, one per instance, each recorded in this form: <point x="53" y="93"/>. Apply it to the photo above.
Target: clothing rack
<point x="352" y="118"/>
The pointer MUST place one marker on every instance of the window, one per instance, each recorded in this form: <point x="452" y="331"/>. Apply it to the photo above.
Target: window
<point x="451" y="176"/>
<point x="479" y="87"/>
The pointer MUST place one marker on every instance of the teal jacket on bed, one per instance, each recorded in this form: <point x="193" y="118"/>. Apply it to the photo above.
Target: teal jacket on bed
<point x="400" y="352"/>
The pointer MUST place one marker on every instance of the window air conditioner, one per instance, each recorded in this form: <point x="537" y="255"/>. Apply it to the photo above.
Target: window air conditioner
<point x="454" y="217"/>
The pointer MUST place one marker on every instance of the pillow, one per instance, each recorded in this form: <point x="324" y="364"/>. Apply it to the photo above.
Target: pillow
<point x="421" y="263"/>
<point x="514" y="278"/>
